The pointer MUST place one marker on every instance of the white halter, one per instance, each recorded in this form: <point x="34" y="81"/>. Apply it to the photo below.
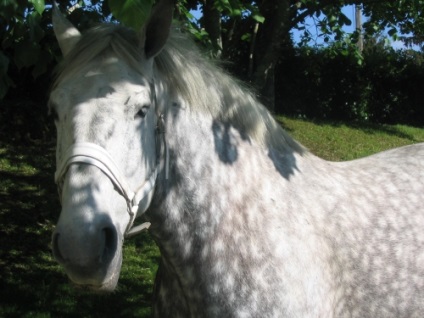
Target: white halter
<point x="92" y="154"/>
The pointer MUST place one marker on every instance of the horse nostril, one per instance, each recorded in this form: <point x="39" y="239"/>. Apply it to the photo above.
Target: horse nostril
<point x="110" y="241"/>
<point x="56" y="250"/>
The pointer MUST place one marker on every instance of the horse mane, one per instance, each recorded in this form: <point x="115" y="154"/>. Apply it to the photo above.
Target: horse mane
<point x="199" y="81"/>
<point x="208" y="88"/>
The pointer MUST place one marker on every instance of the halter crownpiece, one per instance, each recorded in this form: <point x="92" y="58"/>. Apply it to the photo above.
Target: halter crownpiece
<point x="92" y="154"/>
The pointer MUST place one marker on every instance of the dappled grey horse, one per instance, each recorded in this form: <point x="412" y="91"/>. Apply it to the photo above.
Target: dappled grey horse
<point x="248" y="222"/>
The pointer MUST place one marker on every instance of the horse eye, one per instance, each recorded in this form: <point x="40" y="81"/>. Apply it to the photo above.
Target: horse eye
<point x="142" y="112"/>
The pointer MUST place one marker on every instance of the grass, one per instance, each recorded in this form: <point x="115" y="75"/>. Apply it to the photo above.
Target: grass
<point x="32" y="285"/>
<point x="338" y="141"/>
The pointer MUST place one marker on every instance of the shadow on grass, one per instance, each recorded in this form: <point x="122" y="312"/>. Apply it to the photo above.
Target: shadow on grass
<point x="368" y="128"/>
<point x="32" y="284"/>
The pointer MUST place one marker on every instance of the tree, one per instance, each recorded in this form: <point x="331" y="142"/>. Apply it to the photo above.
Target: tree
<point x="404" y="19"/>
<point x="267" y="24"/>
<point x="254" y="34"/>
<point x="29" y="49"/>
<point x="21" y="35"/>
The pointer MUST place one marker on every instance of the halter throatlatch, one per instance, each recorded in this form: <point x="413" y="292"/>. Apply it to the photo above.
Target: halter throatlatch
<point x="92" y="154"/>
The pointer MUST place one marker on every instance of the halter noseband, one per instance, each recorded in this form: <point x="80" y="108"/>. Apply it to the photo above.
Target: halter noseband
<point x="92" y="154"/>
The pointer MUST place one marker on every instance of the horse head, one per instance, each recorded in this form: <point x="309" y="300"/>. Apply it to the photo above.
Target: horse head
<point x="107" y="122"/>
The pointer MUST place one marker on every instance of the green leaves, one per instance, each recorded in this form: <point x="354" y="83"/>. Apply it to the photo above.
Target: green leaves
<point x="132" y="13"/>
<point x="233" y="7"/>
<point x="39" y="6"/>
<point x="258" y="17"/>
<point x="21" y="43"/>
<point x="393" y="33"/>
<point x="26" y="54"/>
<point x="5" y="81"/>
<point x="255" y="13"/>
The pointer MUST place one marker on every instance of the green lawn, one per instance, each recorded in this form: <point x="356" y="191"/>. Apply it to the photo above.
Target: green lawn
<point x="32" y="285"/>
<point x="341" y="141"/>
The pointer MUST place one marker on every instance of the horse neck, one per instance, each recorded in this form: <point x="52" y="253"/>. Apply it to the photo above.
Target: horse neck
<point x="221" y="185"/>
<point x="212" y="159"/>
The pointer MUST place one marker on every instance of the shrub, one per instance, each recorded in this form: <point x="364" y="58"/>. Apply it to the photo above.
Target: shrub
<point x="388" y="87"/>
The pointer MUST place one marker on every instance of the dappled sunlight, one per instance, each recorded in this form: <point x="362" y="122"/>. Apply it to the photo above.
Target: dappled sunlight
<point x="239" y="193"/>
<point x="31" y="281"/>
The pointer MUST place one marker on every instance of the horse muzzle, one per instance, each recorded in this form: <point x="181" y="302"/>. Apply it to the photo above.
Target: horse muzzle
<point x="91" y="257"/>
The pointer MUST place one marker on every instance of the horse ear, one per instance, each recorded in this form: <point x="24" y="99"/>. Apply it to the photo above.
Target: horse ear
<point x="66" y="34"/>
<point x="155" y="32"/>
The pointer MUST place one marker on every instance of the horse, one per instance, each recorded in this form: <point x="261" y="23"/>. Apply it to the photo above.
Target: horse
<point x="248" y="222"/>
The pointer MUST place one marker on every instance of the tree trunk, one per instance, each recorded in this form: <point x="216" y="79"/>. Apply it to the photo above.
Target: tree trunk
<point x="358" y="24"/>
<point x="212" y="25"/>
<point x="273" y="36"/>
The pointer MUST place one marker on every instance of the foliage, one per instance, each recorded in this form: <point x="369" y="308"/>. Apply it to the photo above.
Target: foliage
<point x="404" y="19"/>
<point x="30" y="52"/>
<point x="386" y="88"/>
<point x="29" y="48"/>
<point x="132" y="13"/>
<point x="254" y="46"/>
<point x="401" y="19"/>
<point x="21" y="35"/>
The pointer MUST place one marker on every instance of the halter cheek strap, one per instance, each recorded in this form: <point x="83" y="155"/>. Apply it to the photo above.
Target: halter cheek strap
<point x="92" y="154"/>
